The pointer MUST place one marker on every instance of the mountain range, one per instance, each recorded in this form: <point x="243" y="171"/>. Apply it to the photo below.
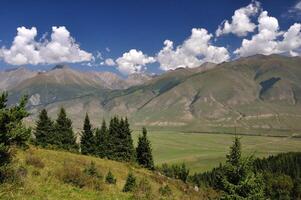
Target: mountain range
<point x="256" y="95"/>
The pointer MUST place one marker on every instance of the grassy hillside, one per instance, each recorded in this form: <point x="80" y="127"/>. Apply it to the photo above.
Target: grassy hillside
<point x="41" y="181"/>
<point x="199" y="151"/>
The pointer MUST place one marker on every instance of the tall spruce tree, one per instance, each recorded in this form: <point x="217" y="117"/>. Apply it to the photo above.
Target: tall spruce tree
<point x="120" y="144"/>
<point x="112" y="138"/>
<point x="88" y="140"/>
<point x="125" y="148"/>
<point x="12" y="130"/>
<point x="101" y="140"/>
<point x="64" y="132"/>
<point x="144" y="151"/>
<point x="44" y="131"/>
<point x="238" y="180"/>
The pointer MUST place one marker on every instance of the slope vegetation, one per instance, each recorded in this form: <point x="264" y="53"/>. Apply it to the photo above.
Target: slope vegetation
<point x="41" y="171"/>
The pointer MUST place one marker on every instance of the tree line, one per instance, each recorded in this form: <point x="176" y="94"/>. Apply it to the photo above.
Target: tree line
<point x="113" y="141"/>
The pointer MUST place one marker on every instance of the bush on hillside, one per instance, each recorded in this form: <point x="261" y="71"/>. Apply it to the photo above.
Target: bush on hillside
<point x="91" y="170"/>
<point x="36" y="173"/>
<point x="143" y="190"/>
<point x="14" y="174"/>
<point x="130" y="183"/>
<point x="165" y="191"/>
<point x="34" y="161"/>
<point x="73" y="175"/>
<point x="110" y="179"/>
<point x="175" y="171"/>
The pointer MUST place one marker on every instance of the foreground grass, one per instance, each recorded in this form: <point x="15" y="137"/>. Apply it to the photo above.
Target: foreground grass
<point x="202" y="152"/>
<point x="46" y="185"/>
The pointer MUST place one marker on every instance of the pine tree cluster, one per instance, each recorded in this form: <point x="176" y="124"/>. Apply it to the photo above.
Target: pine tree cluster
<point x="55" y="134"/>
<point x="112" y="142"/>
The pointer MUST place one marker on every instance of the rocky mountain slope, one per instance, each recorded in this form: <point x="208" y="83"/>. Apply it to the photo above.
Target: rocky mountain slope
<point x="11" y="78"/>
<point x="258" y="94"/>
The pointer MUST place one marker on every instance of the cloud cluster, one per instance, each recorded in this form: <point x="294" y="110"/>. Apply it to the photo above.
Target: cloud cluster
<point x="133" y="62"/>
<point x="194" y="51"/>
<point x="198" y="48"/>
<point x="241" y="23"/>
<point x="26" y="50"/>
<point x="267" y="41"/>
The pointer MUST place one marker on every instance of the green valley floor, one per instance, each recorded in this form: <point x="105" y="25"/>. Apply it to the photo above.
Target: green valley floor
<point x="202" y="152"/>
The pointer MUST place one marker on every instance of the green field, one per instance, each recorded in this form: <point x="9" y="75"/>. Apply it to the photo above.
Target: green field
<point x="202" y="152"/>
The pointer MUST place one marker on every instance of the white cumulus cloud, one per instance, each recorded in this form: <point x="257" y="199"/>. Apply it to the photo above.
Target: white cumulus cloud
<point x="268" y="39"/>
<point x="291" y="40"/>
<point x="241" y="23"/>
<point x="133" y="62"/>
<point x="60" y="48"/>
<point x="109" y="62"/>
<point x="194" y="51"/>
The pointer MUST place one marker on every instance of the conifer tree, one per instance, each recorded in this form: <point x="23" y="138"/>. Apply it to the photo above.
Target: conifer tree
<point x="110" y="179"/>
<point x="124" y="143"/>
<point x="44" y="131"/>
<point x="101" y="140"/>
<point x="120" y="144"/>
<point x="12" y="130"/>
<point x="129" y="149"/>
<point x="64" y="133"/>
<point x="112" y="138"/>
<point x="144" y="151"/>
<point x="238" y="181"/>
<point x="88" y="139"/>
<point x="130" y="183"/>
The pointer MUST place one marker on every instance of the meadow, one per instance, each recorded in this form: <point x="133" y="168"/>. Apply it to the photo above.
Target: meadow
<point x="202" y="152"/>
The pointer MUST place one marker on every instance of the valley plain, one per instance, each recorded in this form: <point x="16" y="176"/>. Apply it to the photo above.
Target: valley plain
<point x="202" y="152"/>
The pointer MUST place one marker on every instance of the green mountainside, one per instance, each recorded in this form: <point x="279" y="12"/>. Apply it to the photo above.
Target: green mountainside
<point x="257" y="95"/>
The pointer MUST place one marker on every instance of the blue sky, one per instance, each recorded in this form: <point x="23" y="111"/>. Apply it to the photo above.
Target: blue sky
<point x="115" y="27"/>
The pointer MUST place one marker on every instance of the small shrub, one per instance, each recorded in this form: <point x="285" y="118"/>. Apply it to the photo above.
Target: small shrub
<point x="143" y="191"/>
<point x="71" y="175"/>
<point x="77" y="177"/>
<point x="21" y="172"/>
<point x="13" y="174"/>
<point x="175" y="171"/>
<point x="36" y="173"/>
<point x="34" y="161"/>
<point x="110" y="179"/>
<point x="165" y="191"/>
<point x="93" y="183"/>
<point x="209" y="193"/>
<point x="91" y="170"/>
<point x="130" y="183"/>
